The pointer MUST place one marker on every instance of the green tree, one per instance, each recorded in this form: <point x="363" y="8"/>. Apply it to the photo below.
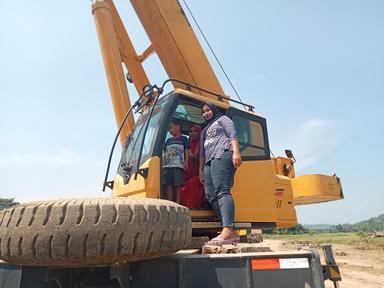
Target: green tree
<point x="7" y="202"/>
<point x="339" y="228"/>
<point x="298" y="229"/>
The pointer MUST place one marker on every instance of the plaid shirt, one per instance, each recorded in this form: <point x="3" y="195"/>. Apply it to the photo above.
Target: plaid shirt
<point x="216" y="138"/>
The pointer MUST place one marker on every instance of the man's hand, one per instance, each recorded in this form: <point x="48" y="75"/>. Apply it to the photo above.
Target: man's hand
<point x="236" y="159"/>
<point x="201" y="176"/>
<point x="201" y="169"/>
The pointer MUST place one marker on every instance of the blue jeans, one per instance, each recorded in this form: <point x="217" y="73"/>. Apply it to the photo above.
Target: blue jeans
<point x="218" y="180"/>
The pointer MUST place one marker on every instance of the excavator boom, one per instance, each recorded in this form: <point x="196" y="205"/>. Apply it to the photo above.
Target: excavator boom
<point x="172" y="39"/>
<point x="176" y="44"/>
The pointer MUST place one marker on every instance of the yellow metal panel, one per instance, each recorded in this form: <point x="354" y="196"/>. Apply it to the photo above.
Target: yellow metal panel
<point x="282" y="193"/>
<point x="262" y="196"/>
<point x="279" y="166"/>
<point x="253" y="192"/>
<point x="202" y="213"/>
<point x="315" y="188"/>
<point x="141" y="187"/>
<point x="242" y="232"/>
<point x="176" y="44"/>
<point x="131" y="188"/>
<point x="205" y="98"/>
<point x="334" y="273"/>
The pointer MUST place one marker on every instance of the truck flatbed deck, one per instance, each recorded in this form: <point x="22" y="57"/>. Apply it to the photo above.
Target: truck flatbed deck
<point x="185" y="268"/>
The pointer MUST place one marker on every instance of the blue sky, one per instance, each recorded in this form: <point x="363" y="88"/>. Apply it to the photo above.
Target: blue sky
<point x="313" y="69"/>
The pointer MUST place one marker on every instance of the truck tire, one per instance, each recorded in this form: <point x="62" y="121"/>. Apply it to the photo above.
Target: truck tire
<point x="81" y="232"/>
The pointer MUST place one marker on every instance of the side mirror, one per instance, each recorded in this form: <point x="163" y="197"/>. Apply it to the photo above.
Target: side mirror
<point x="290" y="155"/>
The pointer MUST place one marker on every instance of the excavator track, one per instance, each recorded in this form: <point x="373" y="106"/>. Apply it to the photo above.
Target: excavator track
<point x="81" y="232"/>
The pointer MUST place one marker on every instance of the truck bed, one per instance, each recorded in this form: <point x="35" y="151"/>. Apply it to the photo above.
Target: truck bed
<point x="185" y="268"/>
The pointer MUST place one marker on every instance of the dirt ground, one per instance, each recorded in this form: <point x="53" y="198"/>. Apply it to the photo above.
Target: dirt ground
<point x="359" y="267"/>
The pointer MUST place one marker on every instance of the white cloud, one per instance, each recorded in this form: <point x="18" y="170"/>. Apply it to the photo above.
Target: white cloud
<point x="62" y="158"/>
<point x="314" y="139"/>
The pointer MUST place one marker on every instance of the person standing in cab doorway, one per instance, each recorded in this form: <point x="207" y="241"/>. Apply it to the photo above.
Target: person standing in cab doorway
<point x="192" y="192"/>
<point x="175" y="160"/>
<point x="220" y="157"/>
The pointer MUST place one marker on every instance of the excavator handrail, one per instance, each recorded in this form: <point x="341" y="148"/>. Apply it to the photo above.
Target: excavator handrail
<point x="139" y="105"/>
<point x="107" y="183"/>
<point x="219" y="96"/>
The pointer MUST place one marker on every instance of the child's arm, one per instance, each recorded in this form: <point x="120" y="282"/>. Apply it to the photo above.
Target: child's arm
<point x="187" y="150"/>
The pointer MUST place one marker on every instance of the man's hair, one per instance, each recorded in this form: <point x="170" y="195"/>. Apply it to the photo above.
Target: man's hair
<point x="176" y="122"/>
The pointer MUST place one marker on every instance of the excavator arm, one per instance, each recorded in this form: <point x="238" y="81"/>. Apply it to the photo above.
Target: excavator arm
<point x="176" y="44"/>
<point x="172" y="39"/>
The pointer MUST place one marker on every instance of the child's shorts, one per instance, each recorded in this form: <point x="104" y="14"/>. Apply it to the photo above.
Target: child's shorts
<point x="173" y="176"/>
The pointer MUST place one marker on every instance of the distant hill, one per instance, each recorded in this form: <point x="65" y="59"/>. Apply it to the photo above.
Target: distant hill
<point x="374" y="223"/>
<point x="378" y="219"/>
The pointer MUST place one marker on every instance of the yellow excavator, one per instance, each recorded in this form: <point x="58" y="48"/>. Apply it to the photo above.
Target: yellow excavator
<point x="266" y="189"/>
<point x="136" y="223"/>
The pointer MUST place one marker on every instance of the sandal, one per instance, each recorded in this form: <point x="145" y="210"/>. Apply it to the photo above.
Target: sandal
<point x="218" y="241"/>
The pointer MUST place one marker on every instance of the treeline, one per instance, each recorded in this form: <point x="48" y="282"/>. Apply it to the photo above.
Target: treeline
<point x="298" y="229"/>
<point x="373" y="224"/>
<point x="7" y="202"/>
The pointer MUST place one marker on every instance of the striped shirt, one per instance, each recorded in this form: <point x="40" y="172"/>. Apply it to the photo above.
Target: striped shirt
<point x="217" y="138"/>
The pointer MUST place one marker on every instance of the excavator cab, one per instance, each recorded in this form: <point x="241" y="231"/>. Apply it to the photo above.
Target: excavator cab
<point x="257" y="203"/>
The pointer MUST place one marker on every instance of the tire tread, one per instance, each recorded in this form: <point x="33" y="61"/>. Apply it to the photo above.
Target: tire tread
<point x="81" y="232"/>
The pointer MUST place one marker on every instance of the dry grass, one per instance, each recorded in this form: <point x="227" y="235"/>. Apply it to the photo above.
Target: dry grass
<point x="359" y="240"/>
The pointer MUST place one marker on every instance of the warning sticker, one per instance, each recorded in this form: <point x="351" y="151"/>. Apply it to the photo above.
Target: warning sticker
<point x="294" y="263"/>
<point x="273" y="264"/>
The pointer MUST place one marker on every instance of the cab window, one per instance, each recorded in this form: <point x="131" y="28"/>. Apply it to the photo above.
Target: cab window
<point x="141" y="138"/>
<point x="189" y="112"/>
<point x="251" y="137"/>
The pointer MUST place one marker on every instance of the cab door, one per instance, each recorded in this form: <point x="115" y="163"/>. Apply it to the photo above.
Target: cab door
<point x="253" y="189"/>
